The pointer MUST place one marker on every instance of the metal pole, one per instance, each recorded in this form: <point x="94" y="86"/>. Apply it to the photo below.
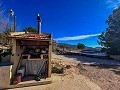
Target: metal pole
<point x="38" y="26"/>
<point x="11" y="28"/>
<point x="14" y="23"/>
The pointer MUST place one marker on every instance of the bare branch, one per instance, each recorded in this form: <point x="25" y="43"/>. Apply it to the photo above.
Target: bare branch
<point x="3" y="19"/>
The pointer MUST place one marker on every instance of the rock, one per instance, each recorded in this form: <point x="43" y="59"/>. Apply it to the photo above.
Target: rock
<point x="68" y="67"/>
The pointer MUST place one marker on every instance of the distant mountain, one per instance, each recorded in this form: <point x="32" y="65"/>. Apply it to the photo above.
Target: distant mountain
<point x="74" y="47"/>
<point x="91" y="48"/>
<point x="67" y="46"/>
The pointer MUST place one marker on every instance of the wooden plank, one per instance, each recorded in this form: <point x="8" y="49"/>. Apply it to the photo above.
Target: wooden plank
<point x="34" y="83"/>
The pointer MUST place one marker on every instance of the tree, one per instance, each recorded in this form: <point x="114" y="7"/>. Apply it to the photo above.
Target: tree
<point x="62" y="46"/>
<point x="3" y="23"/>
<point x="30" y="29"/>
<point x="4" y="34"/>
<point x="110" y="39"/>
<point x="80" y="46"/>
<point x="8" y="30"/>
<point x="3" y="19"/>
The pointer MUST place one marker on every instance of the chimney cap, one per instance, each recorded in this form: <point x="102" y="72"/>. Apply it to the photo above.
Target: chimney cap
<point x="38" y="18"/>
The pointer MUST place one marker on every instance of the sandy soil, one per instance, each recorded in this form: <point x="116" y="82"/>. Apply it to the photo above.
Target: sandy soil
<point x="71" y="79"/>
<point x="105" y="73"/>
<point x="108" y="77"/>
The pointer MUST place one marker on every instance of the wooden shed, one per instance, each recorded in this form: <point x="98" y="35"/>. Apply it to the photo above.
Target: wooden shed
<point x="31" y="56"/>
<point x="32" y="48"/>
<point x="30" y="59"/>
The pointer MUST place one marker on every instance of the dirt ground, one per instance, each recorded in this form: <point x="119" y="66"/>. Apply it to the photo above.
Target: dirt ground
<point x="105" y="73"/>
<point x="71" y="79"/>
<point x="107" y="77"/>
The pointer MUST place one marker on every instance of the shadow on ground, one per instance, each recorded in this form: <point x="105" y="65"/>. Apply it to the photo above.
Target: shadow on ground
<point x="116" y="72"/>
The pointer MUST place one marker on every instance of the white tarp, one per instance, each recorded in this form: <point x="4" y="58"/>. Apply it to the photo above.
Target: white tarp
<point x="33" y="67"/>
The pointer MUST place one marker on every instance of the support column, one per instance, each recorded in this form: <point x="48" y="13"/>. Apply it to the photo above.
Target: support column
<point x="13" y="57"/>
<point x="13" y="51"/>
<point x="49" y="63"/>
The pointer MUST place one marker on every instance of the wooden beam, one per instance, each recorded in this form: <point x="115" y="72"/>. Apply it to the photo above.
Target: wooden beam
<point x="28" y="84"/>
<point x="49" y="60"/>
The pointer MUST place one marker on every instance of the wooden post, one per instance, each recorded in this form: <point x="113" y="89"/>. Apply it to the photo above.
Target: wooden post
<point x="13" y="51"/>
<point x="49" y="60"/>
<point x="13" y="57"/>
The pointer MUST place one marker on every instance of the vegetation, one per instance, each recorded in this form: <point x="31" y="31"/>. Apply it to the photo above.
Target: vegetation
<point x="30" y="29"/>
<point x="57" y="70"/>
<point x="80" y="46"/>
<point x="3" y="24"/>
<point x="7" y="30"/>
<point x="3" y="19"/>
<point x="3" y="35"/>
<point x="62" y="46"/>
<point x="65" y="46"/>
<point x="110" y="39"/>
<point x="4" y="54"/>
<point x="37" y="77"/>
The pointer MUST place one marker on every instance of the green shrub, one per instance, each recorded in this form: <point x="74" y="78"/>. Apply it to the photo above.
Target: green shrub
<point x="6" y="54"/>
<point x="57" y="70"/>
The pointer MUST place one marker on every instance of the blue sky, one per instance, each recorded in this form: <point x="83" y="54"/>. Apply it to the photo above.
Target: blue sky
<point x="76" y="20"/>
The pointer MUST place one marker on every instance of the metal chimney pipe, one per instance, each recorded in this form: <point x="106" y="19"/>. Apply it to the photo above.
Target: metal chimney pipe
<point x="39" y="24"/>
<point x="14" y="17"/>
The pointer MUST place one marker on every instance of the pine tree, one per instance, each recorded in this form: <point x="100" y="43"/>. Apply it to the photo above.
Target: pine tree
<point x="110" y="39"/>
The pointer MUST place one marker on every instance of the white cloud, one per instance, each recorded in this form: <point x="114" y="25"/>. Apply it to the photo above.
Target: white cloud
<point x="113" y="3"/>
<point x="76" y="37"/>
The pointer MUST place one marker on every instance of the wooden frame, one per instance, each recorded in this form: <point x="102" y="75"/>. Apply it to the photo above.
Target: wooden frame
<point x="15" y="59"/>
